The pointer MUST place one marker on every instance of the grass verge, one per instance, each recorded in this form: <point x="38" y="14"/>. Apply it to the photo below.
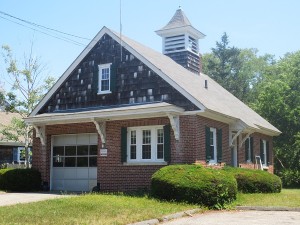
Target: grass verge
<point x="90" y="209"/>
<point x="286" y="198"/>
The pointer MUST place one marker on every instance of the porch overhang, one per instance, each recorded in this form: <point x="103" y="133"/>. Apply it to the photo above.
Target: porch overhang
<point x="162" y="109"/>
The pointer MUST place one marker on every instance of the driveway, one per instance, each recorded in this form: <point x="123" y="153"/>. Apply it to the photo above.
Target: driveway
<point x="15" y="198"/>
<point x="241" y="217"/>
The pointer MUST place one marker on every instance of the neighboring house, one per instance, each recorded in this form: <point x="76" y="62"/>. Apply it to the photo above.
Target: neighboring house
<point x="10" y="151"/>
<point x="121" y="111"/>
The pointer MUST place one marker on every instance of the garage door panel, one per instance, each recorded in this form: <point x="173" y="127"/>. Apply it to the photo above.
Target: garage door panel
<point x="75" y="173"/>
<point x="92" y="183"/>
<point x="93" y="173"/>
<point x="58" y="173"/>
<point x="57" y="185"/>
<point x="93" y="139"/>
<point x="70" y="185"/>
<point x="82" y="173"/>
<point x="70" y="173"/>
<point x="83" y="139"/>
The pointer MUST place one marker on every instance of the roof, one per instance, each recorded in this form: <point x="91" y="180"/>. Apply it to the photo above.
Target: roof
<point x="179" y="22"/>
<point x="214" y="99"/>
<point x="5" y="120"/>
<point x="120" y="113"/>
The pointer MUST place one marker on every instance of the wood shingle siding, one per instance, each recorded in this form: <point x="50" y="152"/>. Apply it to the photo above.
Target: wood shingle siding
<point x="132" y="82"/>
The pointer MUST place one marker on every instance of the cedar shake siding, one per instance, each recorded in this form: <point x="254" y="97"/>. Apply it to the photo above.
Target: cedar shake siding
<point x="132" y="82"/>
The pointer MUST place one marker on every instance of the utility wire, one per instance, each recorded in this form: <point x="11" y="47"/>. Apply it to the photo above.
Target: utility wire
<point x="57" y="37"/>
<point x="38" y="29"/>
<point x="41" y="26"/>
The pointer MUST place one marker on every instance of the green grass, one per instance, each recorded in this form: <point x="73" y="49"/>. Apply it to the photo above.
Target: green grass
<point x="287" y="198"/>
<point x="90" y="209"/>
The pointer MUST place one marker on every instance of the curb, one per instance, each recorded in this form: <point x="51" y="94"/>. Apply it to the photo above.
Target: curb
<point x="262" y="208"/>
<point x="168" y="217"/>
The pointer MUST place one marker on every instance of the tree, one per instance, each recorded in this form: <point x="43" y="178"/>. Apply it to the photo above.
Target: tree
<point x="278" y="100"/>
<point x="237" y="70"/>
<point x="27" y="89"/>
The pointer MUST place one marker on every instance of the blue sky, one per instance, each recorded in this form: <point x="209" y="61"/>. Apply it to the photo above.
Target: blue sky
<point x="271" y="26"/>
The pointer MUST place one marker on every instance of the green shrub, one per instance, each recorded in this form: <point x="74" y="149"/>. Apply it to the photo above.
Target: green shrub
<point x="194" y="184"/>
<point x="255" y="181"/>
<point x="290" y="178"/>
<point x="20" y="180"/>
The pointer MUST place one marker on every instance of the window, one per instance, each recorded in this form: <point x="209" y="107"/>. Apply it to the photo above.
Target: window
<point x="249" y="149"/>
<point x="213" y="145"/>
<point x="104" y="78"/>
<point x="145" y="144"/>
<point x="75" y="156"/>
<point x="264" y="152"/>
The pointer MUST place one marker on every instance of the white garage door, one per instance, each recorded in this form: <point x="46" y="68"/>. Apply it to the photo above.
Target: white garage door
<point x="74" y="162"/>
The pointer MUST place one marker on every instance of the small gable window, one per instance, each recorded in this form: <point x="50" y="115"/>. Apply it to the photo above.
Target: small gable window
<point x="104" y="78"/>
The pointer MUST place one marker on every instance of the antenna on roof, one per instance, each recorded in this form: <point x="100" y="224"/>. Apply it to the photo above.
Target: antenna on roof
<point x="121" y="28"/>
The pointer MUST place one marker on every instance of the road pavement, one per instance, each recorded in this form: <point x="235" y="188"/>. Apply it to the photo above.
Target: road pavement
<point x="240" y="218"/>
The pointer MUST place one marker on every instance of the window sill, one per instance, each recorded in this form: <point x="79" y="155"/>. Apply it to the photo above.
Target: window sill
<point x="103" y="92"/>
<point x="145" y="163"/>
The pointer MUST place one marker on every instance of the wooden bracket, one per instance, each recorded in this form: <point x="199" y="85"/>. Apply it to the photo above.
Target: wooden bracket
<point x="235" y="137"/>
<point x="244" y="139"/>
<point x="174" y="120"/>
<point x="40" y="133"/>
<point x="101" y="128"/>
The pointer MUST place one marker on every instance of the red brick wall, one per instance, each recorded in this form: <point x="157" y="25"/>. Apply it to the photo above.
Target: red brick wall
<point x="256" y="151"/>
<point x="201" y="124"/>
<point x="114" y="176"/>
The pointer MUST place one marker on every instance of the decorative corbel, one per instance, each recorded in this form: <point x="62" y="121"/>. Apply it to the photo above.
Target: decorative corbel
<point x="235" y="137"/>
<point x="101" y="128"/>
<point x="40" y="133"/>
<point x="174" y="120"/>
<point x="244" y="139"/>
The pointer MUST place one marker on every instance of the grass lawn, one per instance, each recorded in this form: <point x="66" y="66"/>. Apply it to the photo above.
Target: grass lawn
<point x="287" y="198"/>
<point x="90" y="209"/>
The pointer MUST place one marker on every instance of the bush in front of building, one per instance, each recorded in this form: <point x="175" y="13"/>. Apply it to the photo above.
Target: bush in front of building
<point x="255" y="181"/>
<point x="194" y="184"/>
<point x="24" y="180"/>
<point x="290" y="178"/>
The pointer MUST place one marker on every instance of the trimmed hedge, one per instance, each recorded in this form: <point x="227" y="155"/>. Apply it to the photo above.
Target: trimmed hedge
<point x="24" y="180"/>
<point x="255" y="181"/>
<point x="194" y="184"/>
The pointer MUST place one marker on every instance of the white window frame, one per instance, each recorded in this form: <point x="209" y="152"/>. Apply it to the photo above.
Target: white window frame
<point x="248" y="148"/>
<point x="100" y="68"/>
<point x="139" y="143"/>
<point x="214" y="160"/>
<point x="265" y="164"/>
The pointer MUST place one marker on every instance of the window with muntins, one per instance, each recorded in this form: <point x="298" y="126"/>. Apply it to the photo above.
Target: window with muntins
<point x="145" y="144"/>
<point x="213" y="145"/>
<point x="249" y="149"/>
<point x="104" y="78"/>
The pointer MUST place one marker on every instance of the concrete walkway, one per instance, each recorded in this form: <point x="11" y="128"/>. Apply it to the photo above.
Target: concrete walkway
<point x="241" y="217"/>
<point x="16" y="198"/>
